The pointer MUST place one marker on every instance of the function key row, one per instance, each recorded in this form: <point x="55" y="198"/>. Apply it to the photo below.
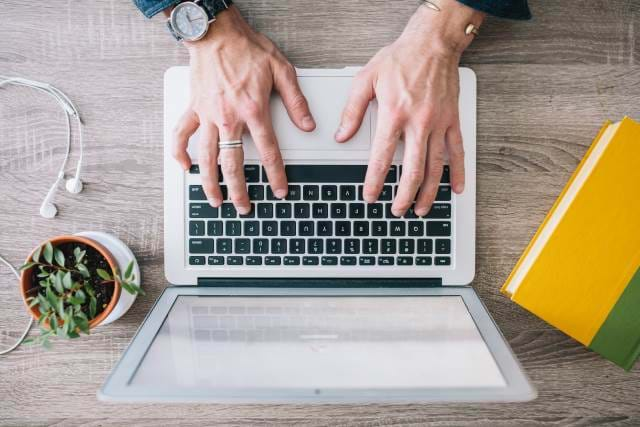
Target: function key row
<point x="293" y="260"/>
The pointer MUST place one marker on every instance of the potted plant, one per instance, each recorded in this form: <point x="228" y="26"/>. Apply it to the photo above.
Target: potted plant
<point x="71" y="284"/>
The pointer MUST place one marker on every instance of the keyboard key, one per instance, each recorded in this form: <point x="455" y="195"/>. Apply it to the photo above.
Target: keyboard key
<point x="438" y="228"/>
<point x="310" y="192"/>
<point x="251" y="228"/>
<point x="370" y="246"/>
<point x="367" y="260"/>
<point x="254" y="260"/>
<point x="196" y="228"/>
<point x="261" y="246"/>
<point x="325" y="228"/>
<point x="287" y="228"/>
<point x="223" y="246"/>
<point x="388" y="246"/>
<point x="406" y="246"/>
<point x="356" y="210"/>
<point x="320" y="210"/>
<point x="444" y="193"/>
<point x="272" y="260"/>
<point x="360" y="228"/>
<point x="398" y="228"/>
<point x="423" y="260"/>
<point x="302" y="210"/>
<point x="425" y="246"/>
<point x="256" y="192"/>
<point x="252" y="173"/>
<point x="296" y="246"/>
<point x="416" y="228"/>
<point x="194" y="169"/>
<point x="265" y="210"/>
<point x="445" y="175"/>
<point x="306" y="228"/>
<point x="348" y="260"/>
<point x="242" y="246"/>
<point x="379" y="228"/>
<point x="269" y="228"/>
<point x="405" y="260"/>
<point x="439" y="211"/>
<point x="279" y="246"/>
<point x="294" y="192"/>
<point x="329" y="192"/>
<point x="292" y="260"/>
<point x="410" y="213"/>
<point x="214" y="228"/>
<point x="374" y="210"/>
<point x="329" y="260"/>
<point x="347" y="192"/>
<point x="343" y="228"/>
<point x="252" y="211"/>
<point x="202" y="210"/>
<point x="283" y="210"/>
<point x="385" y="260"/>
<point x="352" y="246"/>
<point x="270" y="195"/>
<point x="443" y="260"/>
<point x="338" y="210"/>
<point x="443" y="246"/>
<point x="386" y="194"/>
<point x="227" y="210"/>
<point x="234" y="260"/>
<point x="310" y="260"/>
<point x="196" y="193"/>
<point x="215" y="260"/>
<point x="334" y="246"/>
<point x="225" y="192"/>
<point x="387" y="209"/>
<point x="233" y="228"/>
<point x="315" y="246"/>
<point x="331" y="173"/>
<point x="196" y="260"/>
<point x="201" y="246"/>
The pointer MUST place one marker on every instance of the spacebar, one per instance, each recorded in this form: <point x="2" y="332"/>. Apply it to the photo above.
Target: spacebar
<point x="330" y="173"/>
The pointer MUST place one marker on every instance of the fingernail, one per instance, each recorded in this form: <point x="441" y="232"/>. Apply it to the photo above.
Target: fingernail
<point x="307" y="122"/>
<point x="280" y="194"/>
<point x="243" y="210"/>
<point x="397" y="212"/>
<point x="340" y="132"/>
<point x="369" y="198"/>
<point x="458" y="188"/>
<point x="421" y="212"/>
<point x="215" y="202"/>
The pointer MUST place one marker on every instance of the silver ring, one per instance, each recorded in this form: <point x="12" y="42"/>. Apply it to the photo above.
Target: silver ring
<point x="236" y="143"/>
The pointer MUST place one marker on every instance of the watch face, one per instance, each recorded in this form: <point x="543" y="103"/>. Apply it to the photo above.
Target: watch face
<point x="190" y="21"/>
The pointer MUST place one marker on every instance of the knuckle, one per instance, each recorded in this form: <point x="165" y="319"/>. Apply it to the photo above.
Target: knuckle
<point x="413" y="177"/>
<point x="378" y="167"/>
<point x="270" y="158"/>
<point x="232" y="168"/>
<point x="298" y="102"/>
<point x="252" y="109"/>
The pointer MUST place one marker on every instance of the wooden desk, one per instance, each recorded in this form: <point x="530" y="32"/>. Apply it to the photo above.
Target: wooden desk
<point x="544" y="89"/>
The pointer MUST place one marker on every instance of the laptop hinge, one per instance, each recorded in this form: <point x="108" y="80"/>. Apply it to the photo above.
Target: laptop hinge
<point x="304" y="282"/>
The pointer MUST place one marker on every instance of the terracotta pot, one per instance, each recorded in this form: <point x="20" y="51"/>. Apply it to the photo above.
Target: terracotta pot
<point x="26" y="282"/>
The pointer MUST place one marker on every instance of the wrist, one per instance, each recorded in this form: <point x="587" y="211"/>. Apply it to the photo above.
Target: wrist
<point x="229" y="24"/>
<point x="444" y="30"/>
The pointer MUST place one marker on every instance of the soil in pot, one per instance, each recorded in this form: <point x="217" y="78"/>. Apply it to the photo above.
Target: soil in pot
<point x="93" y="261"/>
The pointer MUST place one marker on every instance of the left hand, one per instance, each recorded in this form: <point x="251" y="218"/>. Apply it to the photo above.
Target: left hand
<point x="416" y="83"/>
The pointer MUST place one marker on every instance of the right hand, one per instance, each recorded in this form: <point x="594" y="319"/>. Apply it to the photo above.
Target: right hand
<point x="233" y="71"/>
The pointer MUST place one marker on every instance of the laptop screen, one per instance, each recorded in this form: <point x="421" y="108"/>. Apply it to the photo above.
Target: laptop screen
<point x="227" y="342"/>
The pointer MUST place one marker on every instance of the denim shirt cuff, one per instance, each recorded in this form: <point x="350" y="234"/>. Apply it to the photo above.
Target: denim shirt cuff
<point x="511" y="9"/>
<point x="151" y="7"/>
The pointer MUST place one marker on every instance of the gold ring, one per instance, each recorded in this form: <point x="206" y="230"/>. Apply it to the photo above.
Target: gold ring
<point x="471" y="29"/>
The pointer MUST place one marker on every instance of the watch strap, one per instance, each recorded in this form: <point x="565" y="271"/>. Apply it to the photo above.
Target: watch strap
<point x="213" y="7"/>
<point x="172" y="31"/>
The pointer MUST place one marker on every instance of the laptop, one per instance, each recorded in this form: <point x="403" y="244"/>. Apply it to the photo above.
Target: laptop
<point x="320" y="297"/>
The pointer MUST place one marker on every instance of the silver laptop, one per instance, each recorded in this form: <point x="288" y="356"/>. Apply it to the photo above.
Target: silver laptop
<point x="320" y="297"/>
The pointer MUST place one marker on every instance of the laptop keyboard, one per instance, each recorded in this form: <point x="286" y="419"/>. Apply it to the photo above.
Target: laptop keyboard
<point x="323" y="221"/>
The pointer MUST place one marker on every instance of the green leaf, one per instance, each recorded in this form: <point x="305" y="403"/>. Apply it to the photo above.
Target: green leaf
<point x="26" y="266"/>
<point x="129" y="270"/>
<point x="73" y="334"/>
<point x="83" y="270"/>
<point x="48" y="252"/>
<point x="66" y="280"/>
<point x="82" y="323"/>
<point x="74" y="300"/>
<point x="57" y="284"/>
<point x="60" y="307"/>
<point x="133" y="288"/>
<point x="32" y="302"/>
<point x="93" y="306"/>
<point x="36" y="254"/>
<point x="43" y="303"/>
<point x="51" y="297"/>
<point x="59" y="256"/>
<point x="43" y="273"/>
<point x="81" y="296"/>
<point x="103" y="274"/>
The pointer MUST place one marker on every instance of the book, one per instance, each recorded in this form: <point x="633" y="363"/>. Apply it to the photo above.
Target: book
<point x="581" y="271"/>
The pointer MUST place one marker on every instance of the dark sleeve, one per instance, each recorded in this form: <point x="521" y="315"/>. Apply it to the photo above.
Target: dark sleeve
<point x="152" y="7"/>
<point x="511" y="9"/>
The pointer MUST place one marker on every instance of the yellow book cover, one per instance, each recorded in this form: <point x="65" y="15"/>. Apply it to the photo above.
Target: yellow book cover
<point x="581" y="270"/>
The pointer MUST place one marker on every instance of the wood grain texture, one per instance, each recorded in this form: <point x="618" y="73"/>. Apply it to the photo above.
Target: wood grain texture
<point x="544" y="89"/>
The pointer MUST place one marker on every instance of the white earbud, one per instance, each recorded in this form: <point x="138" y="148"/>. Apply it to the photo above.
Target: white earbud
<point x="73" y="185"/>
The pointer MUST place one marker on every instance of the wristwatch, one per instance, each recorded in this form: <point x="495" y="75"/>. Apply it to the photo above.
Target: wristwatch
<point x="190" y="20"/>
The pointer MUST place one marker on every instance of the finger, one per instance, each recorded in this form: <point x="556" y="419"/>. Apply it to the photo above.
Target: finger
<point x="455" y="148"/>
<point x="361" y="94"/>
<point x="187" y="125"/>
<point x="413" y="164"/>
<point x="286" y="83"/>
<point x="265" y="139"/>
<point x="232" y="165"/>
<point x="382" y="151"/>
<point x="433" y="174"/>
<point x="208" y="163"/>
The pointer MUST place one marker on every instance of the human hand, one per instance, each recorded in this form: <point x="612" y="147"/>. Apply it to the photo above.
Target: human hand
<point x="233" y="71"/>
<point x="416" y="83"/>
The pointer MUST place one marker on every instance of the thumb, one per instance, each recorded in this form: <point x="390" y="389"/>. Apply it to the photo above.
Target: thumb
<point x="187" y="125"/>
<point x="286" y="83"/>
<point x="361" y="94"/>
